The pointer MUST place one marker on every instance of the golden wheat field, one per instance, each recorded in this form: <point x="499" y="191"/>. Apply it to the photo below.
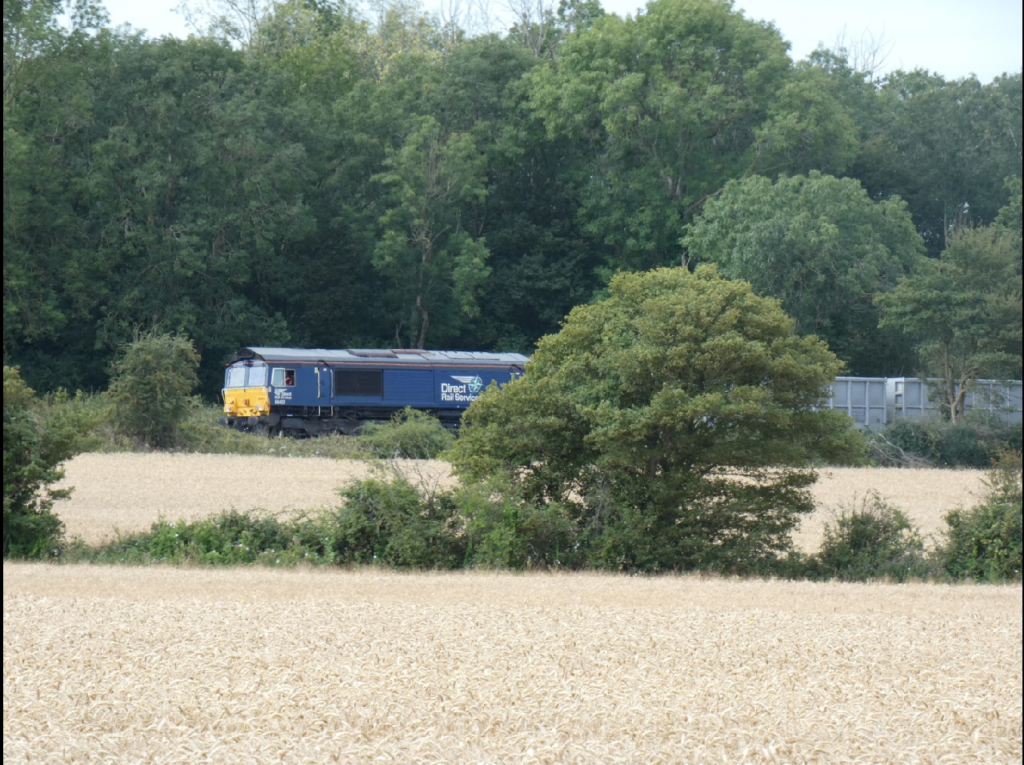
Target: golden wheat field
<point x="129" y="665"/>
<point x="129" y="492"/>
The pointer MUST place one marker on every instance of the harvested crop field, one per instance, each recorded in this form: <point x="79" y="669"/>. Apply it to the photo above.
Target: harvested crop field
<point x="119" y="665"/>
<point x="131" y="491"/>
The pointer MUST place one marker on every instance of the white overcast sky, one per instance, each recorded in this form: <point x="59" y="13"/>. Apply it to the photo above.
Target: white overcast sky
<point x="951" y="37"/>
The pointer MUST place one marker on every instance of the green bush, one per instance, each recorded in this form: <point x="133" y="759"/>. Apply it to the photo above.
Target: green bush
<point x="197" y="432"/>
<point x="151" y="387"/>
<point x="37" y="440"/>
<point x="874" y="541"/>
<point x="231" y="538"/>
<point x="984" y="543"/>
<point x="974" y="441"/>
<point x="503" y="530"/>
<point x="91" y="413"/>
<point x="394" y="523"/>
<point x="411" y="434"/>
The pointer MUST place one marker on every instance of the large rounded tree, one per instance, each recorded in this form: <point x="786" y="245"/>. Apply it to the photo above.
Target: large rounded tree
<point x="677" y="420"/>
<point x="824" y="248"/>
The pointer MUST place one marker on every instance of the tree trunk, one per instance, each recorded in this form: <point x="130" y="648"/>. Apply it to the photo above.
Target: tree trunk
<point x="421" y="343"/>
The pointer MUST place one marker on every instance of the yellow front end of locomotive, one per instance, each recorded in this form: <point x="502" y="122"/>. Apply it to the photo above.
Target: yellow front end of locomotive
<point x="246" y="402"/>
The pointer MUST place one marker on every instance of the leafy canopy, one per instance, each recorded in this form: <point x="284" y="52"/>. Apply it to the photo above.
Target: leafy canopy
<point x="965" y="311"/>
<point x="667" y="105"/>
<point x="821" y="246"/>
<point x="675" y="419"/>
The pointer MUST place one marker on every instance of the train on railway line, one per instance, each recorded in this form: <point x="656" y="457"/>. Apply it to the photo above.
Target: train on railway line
<point x="308" y="392"/>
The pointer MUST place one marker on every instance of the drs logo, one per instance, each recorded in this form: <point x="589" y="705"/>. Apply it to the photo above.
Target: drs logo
<point x="467" y="389"/>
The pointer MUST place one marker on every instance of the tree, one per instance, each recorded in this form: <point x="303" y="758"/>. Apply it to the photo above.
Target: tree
<point x="821" y="246"/>
<point x="541" y="262"/>
<point x="1011" y="216"/>
<point x="667" y="105"/>
<point x="944" y="147"/>
<point x="808" y="127"/>
<point x="426" y="251"/>
<point x="964" y="310"/>
<point x="35" y="446"/>
<point x="49" y="74"/>
<point x="151" y="384"/>
<point x="676" y="419"/>
<point x="399" y="28"/>
<point x="237" y="22"/>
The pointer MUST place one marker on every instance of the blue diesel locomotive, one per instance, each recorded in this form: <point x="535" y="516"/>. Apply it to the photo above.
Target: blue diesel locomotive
<point x="305" y="392"/>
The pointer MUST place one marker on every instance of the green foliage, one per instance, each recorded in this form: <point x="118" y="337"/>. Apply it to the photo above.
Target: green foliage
<point x="487" y="524"/>
<point x="504" y="530"/>
<point x="680" y="413"/>
<point x="151" y="386"/>
<point x="92" y="415"/>
<point x="411" y="434"/>
<point x="328" y="179"/>
<point x="984" y="543"/>
<point x="943" y="146"/>
<point x="665" y="104"/>
<point x="1011" y="215"/>
<point x="231" y="538"/>
<point x="974" y="441"/>
<point x="965" y="311"/>
<point x="37" y="441"/>
<point x="808" y="127"/>
<point x="823" y="247"/>
<point x="425" y="249"/>
<point x="198" y="432"/>
<point x="392" y="522"/>
<point x="873" y="541"/>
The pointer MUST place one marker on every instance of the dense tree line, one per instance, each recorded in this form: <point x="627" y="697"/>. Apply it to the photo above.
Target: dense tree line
<point x="311" y="177"/>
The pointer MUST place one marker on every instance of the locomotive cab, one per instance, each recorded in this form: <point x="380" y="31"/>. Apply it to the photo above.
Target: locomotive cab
<point x="246" y="392"/>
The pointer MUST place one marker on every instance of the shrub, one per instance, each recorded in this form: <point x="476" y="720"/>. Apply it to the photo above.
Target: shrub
<point x="393" y="522"/>
<point x="503" y="530"/>
<point x="974" y="440"/>
<point x="151" y="386"/>
<point x="874" y="541"/>
<point x="984" y="543"/>
<point x="36" y="442"/>
<point x="91" y="413"/>
<point x="411" y="434"/>
<point x="230" y="538"/>
<point x="198" y="431"/>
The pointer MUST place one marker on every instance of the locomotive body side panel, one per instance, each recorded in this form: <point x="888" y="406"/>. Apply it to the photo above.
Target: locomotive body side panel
<point x="409" y="387"/>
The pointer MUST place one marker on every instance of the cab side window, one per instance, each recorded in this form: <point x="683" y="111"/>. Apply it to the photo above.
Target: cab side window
<point x="282" y="378"/>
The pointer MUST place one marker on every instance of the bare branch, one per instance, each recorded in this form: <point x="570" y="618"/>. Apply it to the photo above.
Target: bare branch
<point x="867" y="54"/>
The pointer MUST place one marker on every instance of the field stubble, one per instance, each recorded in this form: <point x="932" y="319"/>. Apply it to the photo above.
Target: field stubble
<point x="130" y="492"/>
<point x="254" y="665"/>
